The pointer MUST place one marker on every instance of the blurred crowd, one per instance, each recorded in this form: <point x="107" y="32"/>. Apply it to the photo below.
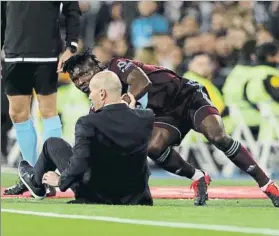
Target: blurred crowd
<point x="172" y="33"/>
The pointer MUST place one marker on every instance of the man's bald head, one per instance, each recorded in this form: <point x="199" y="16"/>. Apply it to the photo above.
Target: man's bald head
<point x="105" y="88"/>
<point x="107" y="80"/>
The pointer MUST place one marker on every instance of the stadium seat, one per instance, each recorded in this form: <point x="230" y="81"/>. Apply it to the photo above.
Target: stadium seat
<point x="269" y="142"/>
<point x="195" y="142"/>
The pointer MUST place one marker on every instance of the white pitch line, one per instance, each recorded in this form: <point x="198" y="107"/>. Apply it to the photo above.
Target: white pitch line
<point x="224" y="228"/>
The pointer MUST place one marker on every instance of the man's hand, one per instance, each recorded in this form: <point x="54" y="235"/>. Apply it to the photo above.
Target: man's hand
<point x="129" y="99"/>
<point x="51" y="178"/>
<point x="65" y="56"/>
<point x="125" y="98"/>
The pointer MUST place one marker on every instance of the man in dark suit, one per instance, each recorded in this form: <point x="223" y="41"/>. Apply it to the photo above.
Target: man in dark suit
<point x="108" y="164"/>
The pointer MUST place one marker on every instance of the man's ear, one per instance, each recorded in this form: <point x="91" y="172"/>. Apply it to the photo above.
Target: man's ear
<point x="103" y="94"/>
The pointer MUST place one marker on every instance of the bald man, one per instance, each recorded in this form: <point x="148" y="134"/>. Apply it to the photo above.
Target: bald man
<point x="108" y="164"/>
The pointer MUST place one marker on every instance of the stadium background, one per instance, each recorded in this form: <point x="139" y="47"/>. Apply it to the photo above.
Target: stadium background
<point x="171" y="34"/>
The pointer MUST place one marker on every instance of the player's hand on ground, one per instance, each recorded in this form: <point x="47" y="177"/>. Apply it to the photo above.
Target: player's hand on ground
<point x="129" y="99"/>
<point x="51" y="178"/>
<point x="65" y="56"/>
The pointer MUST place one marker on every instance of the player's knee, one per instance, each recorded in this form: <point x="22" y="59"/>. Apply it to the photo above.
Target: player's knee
<point x="159" y="142"/>
<point x="219" y="139"/>
<point x="19" y="114"/>
<point x="155" y="150"/>
<point x="47" y="105"/>
<point x="48" y="112"/>
<point x="213" y="129"/>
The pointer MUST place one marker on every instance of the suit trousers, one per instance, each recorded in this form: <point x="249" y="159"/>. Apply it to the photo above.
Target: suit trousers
<point x="56" y="154"/>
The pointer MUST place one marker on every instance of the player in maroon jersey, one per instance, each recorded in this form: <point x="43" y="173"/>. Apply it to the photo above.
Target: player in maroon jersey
<point x="179" y="105"/>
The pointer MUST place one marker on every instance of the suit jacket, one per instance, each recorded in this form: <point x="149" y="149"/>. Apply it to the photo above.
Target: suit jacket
<point x="111" y="148"/>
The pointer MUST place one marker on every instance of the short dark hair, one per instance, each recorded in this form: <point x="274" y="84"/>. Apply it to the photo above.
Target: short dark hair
<point x="211" y="57"/>
<point x="265" y="50"/>
<point x="84" y="58"/>
<point x="248" y="49"/>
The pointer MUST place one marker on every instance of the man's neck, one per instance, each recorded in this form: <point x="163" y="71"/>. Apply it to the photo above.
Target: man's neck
<point x="112" y="103"/>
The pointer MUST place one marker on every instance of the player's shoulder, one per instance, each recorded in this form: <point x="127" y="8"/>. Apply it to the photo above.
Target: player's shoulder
<point x="120" y="65"/>
<point x="119" y="60"/>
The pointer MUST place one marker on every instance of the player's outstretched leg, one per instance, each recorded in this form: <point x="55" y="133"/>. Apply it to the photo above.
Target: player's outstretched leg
<point x="213" y="129"/>
<point x="167" y="158"/>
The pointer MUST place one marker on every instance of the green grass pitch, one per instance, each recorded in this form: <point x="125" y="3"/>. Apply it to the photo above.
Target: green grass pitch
<point x="240" y="213"/>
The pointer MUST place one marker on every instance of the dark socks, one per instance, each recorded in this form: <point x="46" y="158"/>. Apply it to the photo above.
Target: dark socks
<point x="243" y="159"/>
<point x="172" y="162"/>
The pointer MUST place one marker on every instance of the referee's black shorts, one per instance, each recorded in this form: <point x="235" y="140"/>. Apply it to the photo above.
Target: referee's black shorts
<point x="21" y="77"/>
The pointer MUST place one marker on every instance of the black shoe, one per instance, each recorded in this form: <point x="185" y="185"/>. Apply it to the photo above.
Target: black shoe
<point x="17" y="189"/>
<point x="200" y="189"/>
<point x="26" y="173"/>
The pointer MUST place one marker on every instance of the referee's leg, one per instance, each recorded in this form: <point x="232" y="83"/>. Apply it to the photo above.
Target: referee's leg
<point x="18" y="83"/>
<point x="46" y="89"/>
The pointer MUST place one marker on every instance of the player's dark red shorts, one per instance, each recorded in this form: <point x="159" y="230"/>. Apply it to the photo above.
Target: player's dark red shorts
<point x="189" y="108"/>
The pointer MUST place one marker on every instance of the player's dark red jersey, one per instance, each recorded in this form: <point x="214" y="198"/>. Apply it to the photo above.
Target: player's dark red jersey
<point x="122" y="67"/>
<point x="165" y="92"/>
<point x="174" y="99"/>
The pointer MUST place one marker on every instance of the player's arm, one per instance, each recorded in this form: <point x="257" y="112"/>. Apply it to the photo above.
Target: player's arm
<point x="72" y="14"/>
<point x="132" y="75"/>
<point x="139" y="83"/>
<point x="79" y="162"/>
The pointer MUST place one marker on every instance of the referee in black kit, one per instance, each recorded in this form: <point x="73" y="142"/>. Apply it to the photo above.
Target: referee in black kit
<point x="32" y="46"/>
